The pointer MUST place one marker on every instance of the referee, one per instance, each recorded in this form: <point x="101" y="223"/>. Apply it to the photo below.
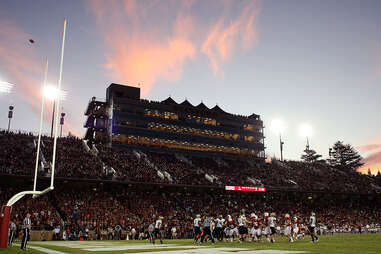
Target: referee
<point x="208" y="229"/>
<point x="12" y="232"/>
<point x="26" y="231"/>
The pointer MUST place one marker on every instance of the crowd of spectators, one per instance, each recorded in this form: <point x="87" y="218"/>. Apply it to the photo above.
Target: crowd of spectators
<point x="180" y="172"/>
<point x="43" y="213"/>
<point x="16" y="156"/>
<point x="129" y="165"/>
<point x="74" y="161"/>
<point x="113" y="212"/>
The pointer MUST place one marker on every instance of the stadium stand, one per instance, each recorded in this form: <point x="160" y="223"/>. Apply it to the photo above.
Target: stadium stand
<point x="137" y="166"/>
<point x="142" y="159"/>
<point x="90" y="211"/>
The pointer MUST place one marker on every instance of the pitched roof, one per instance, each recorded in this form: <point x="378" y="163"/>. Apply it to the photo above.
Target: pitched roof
<point x="202" y="106"/>
<point x="218" y="110"/>
<point x="186" y="103"/>
<point x="169" y="101"/>
<point x="255" y="116"/>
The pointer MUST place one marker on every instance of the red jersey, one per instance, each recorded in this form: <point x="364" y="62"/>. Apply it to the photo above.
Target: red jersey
<point x="256" y="223"/>
<point x="251" y="221"/>
<point x="230" y="224"/>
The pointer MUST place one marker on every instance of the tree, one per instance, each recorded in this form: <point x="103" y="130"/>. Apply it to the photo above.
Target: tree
<point x="344" y="156"/>
<point x="369" y="173"/>
<point x="310" y="156"/>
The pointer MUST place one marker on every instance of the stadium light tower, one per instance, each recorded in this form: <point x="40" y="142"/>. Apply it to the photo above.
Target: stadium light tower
<point x="10" y="115"/>
<point x="306" y="131"/>
<point x="5" y="87"/>
<point x="62" y="120"/>
<point x="52" y="94"/>
<point x="278" y="127"/>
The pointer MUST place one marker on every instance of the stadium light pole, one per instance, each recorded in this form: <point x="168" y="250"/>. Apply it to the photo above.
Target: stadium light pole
<point x="278" y="127"/>
<point x="6" y="87"/>
<point x="62" y="122"/>
<point x="10" y="115"/>
<point x="53" y="94"/>
<point x="306" y="131"/>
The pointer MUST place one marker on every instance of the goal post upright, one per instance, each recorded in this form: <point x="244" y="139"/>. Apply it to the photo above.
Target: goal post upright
<point x="58" y="106"/>
<point x="7" y="209"/>
<point x="40" y="130"/>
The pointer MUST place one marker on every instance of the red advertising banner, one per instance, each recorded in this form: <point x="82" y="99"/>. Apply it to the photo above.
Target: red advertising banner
<point x="245" y="188"/>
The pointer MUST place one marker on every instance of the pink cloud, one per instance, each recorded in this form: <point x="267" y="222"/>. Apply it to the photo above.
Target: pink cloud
<point x="373" y="160"/>
<point x="368" y="147"/>
<point x="19" y="62"/>
<point x="147" y="41"/>
<point x="141" y="56"/>
<point x="224" y="36"/>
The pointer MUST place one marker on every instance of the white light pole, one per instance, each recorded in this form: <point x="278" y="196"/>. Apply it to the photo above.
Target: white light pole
<point x="278" y="127"/>
<point x="306" y="131"/>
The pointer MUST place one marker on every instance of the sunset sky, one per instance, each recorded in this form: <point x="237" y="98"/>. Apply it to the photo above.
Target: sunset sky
<point x="314" y="62"/>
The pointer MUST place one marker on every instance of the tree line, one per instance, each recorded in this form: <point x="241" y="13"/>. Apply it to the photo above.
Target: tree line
<point x="341" y="156"/>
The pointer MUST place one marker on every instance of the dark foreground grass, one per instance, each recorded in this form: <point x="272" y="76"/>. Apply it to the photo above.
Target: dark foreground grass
<point x="343" y="244"/>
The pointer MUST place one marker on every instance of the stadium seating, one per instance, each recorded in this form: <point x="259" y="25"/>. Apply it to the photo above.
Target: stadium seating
<point x="81" y="209"/>
<point x="94" y="201"/>
<point x="73" y="161"/>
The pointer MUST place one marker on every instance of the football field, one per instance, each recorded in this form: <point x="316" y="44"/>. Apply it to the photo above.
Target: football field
<point x="359" y="244"/>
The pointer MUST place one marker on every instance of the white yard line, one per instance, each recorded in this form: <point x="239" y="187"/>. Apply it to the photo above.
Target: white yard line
<point x="226" y="251"/>
<point x="49" y="251"/>
<point x="187" y="249"/>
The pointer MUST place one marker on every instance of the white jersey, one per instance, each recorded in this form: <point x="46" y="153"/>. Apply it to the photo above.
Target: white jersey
<point x="272" y="221"/>
<point x="212" y="224"/>
<point x="241" y="221"/>
<point x="196" y="222"/>
<point x="313" y="221"/>
<point x="158" y="224"/>
<point x="12" y="226"/>
<point x="220" y="222"/>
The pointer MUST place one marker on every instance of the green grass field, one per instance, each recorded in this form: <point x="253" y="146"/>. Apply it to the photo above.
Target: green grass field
<point x="347" y="244"/>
